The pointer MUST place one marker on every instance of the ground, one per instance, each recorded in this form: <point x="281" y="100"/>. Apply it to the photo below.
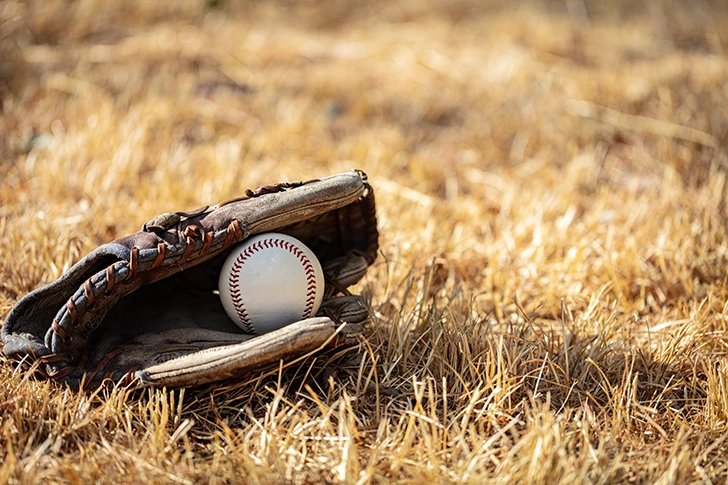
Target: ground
<point x="549" y="302"/>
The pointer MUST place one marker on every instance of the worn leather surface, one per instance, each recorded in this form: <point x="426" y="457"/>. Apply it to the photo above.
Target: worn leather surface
<point x="147" y="299"/>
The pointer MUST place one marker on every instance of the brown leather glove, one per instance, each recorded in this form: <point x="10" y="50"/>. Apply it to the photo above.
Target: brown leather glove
<point x="141" y="309"/>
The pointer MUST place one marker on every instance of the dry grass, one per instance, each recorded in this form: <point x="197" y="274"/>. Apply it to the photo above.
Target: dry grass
<point x="550" y="300"/>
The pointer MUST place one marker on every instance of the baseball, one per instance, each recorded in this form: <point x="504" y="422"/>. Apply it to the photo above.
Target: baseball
<point x="270" y="281"/>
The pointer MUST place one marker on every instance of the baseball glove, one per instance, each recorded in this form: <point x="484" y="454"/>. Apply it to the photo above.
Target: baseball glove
<point x="142" y="309"/>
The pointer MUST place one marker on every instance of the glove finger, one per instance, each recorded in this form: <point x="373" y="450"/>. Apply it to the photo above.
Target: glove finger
<point x="155" y="348"/>
<point x="348" y="309"/>
<point x="228" y="361"/>
<point x="346" y="270"/>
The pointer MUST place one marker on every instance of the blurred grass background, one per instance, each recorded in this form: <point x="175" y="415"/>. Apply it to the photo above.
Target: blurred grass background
<point x="550" y="296"/>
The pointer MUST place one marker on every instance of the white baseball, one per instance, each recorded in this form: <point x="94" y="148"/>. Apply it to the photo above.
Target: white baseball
<point x="269" y="281"/>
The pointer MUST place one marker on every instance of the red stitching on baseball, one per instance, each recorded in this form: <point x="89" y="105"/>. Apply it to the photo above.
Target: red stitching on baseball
<point x="234" y="285"/>
<point x="234" y="278"/>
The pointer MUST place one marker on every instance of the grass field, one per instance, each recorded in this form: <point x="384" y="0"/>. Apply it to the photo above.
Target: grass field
<point x="551" y="298"/>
